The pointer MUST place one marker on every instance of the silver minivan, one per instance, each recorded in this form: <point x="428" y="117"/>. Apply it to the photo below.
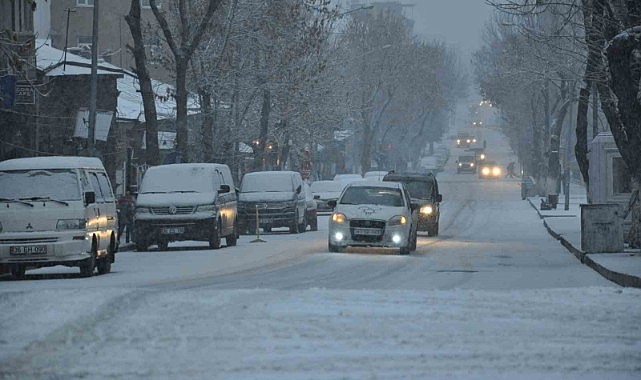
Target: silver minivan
<point x="186" y="202"/>
<point x="57" y="211"/>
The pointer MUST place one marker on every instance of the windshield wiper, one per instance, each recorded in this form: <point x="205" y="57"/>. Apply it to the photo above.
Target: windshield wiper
<point x="182" y="191"/>
<point x="15" y="201"/>
<point x="45" y="199"/>
<point x="154" y="192"/>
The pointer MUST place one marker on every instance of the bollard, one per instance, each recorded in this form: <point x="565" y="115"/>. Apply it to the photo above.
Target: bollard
<point x="258" y="239"/>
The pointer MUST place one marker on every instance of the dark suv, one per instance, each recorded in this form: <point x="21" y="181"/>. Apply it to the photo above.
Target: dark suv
<point x="423" y="189"/>
<point x="466" y="164"/>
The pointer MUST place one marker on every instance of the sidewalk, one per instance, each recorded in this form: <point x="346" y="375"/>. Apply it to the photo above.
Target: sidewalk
<point x="623" y="268"/>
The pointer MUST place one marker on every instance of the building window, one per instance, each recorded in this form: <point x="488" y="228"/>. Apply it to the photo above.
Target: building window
<point x="84" y="3"/>
<point x="85" y="41"/>
<point x="621" y="179"/>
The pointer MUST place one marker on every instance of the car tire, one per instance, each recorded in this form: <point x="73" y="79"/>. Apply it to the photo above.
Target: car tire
<point x="104" y="264"/>
<point x="163" y="245"/>
<point x="405" y="250"/>
<point x="414" y="241"/>
<point x="141" y="245"/>
<point x="232" y="239"/>
<point x="87" y="266"/>
<point x="214" y="239"/>
<point x="333" y="248"/>
<point x="267" y="228"/>
<point x="18" y="271"/>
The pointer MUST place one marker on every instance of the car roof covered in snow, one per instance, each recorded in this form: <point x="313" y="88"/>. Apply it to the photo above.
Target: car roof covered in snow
<point x="370" y="183"/>
<point x="54" y="162"/>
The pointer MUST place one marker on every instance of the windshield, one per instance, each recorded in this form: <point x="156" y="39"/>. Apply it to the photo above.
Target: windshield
<point x="172" y="179"/>
<point x="58" y="184"/>
<point x="419" y="189"/>
<point x="382" y="196"/>
<point x="466" y="158"/>
<point x="327" y="187"/>
<point x="267" y="182"/>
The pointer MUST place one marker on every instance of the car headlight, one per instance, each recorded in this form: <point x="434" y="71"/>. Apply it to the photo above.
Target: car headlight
<point x="460" y="164"/>
<point x="496" y="171"/>
<point x="206" y="208"/>
<point x="339" y="218"/>
<point x="468" y="141"/>
<point x="471" y="164"/>
<point x="485" y="171"/>
<point x="397" y="220"/>
<point x="427" y="210"/>
<point x="473" y="140"/>
<point x="482" y="156"/>
<point x="142" y="210"/>
<point x="70" y="224"/>
<point x="458" y="141"/>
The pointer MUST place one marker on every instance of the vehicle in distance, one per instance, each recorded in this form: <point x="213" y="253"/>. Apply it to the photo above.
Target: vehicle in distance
<point x="347" y="178"/>
<point x="490" y="169"/>
<point x="466" y="164"/>
<point x="57" y="211"/>
<point x="277" y="197"/>
<point x="464" y="141"/>
<point x="186" y="202"/>
<point x="325" y="191"/>
<point x="376" y="175"/>
<point x="373" y="214"/>
<point x="423" y="190"/>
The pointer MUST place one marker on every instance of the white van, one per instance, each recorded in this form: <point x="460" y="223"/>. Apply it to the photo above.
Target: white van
<point x="57" y="211"/>
<point x="186" y="202"/>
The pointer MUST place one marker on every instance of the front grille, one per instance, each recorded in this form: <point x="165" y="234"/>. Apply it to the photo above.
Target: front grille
<point x="182" y="210"/>
<point x="266" y="208"/>
<point x="29" y="240"/>
<point x="367" y="224"/>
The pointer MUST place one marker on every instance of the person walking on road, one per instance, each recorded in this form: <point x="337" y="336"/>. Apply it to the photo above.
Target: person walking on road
<point x="510" y="170"/>
<point x="125" y="216"/>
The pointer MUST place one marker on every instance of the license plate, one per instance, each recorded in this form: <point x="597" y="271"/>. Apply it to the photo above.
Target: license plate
<point x="367" y="231"/>
<point x="28" y="250"/>
<point x="172" y="230"/>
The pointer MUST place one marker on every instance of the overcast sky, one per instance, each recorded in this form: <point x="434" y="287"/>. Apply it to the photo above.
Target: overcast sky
<point x="457" y="22"/>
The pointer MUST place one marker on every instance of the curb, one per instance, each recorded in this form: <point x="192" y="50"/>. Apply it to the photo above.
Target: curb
<point x="618" y="278"/>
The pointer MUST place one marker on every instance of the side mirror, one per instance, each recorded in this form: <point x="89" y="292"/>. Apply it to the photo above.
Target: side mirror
<point x="299" y="189"/>
<point x="439" y="197"/>
<point x="224" y="189"/>
<point x="317" y="196"/>
<point x="332" y="203"/>
<point x="90" y="197"/>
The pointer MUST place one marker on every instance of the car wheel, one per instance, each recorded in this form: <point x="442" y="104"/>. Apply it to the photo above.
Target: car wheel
<point x="333" y="248"/>
<point x="87" y="266"/>
<point x="18" y="271"/>
<point x="163" y="245"/>
<point x="414" y="239"/>
<point x="267" y="228"/>
<point x="141" y="244"/>
<point x="104" y="264"/>
<point x="232" y="239"/>
<point x="214" y="239"/>
<point x="434" y="230"/>
<point x="405" y="250"/>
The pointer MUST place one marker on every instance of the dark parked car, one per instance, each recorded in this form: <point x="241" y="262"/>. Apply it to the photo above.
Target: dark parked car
<point x="423" y="190"/>
<point x="466" y="164"/>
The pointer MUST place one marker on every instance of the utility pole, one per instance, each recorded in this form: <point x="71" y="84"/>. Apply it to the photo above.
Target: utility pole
<point x="64" y="64"/>
<point x="91" y="134"/>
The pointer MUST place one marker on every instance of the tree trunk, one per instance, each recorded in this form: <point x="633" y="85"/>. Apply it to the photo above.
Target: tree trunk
<point x="182" y="132"/>
<point x="554" y="163"/>
<point x="265" y="110"/>
<point x="581" y="147"/>
<point x="152" y="154"/>
<point x="207" y="126"/>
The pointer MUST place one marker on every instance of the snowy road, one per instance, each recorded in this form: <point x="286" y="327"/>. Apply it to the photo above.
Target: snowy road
<point x="492" y="296"/>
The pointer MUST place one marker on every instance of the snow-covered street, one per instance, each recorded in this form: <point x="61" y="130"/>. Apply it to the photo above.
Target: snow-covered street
<point x="494" y="296"/>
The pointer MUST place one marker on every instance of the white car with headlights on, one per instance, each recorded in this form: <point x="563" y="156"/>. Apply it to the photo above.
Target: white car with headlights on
<point x="373" y="214"/>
